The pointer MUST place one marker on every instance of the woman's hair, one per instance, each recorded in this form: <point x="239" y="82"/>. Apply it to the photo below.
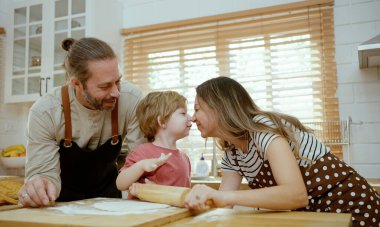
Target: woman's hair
<point x="236" y="109"/>
<point x="80" y="53"/>
<point x="157" y="105"/>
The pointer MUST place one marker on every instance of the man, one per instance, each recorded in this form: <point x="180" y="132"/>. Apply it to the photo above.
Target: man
<point x="75" y="134"/>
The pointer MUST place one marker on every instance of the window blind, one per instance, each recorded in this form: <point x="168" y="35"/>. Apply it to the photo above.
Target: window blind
<point x="283" y="55"/>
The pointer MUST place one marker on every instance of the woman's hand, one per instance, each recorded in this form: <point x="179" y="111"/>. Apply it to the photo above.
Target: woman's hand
<point x="202" y="197"/>
<point x="152" y="164"/>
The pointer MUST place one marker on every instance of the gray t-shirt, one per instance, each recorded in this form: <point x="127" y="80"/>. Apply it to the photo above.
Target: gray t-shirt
<point x="90" y="129"/>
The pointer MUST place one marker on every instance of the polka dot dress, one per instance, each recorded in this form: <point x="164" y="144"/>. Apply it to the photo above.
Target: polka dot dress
<point x="333" y="186"/>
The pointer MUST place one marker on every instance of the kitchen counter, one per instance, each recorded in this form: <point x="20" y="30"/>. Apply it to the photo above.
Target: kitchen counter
<point x="375" y="183"/>
<point x="171" y="216"/>
<point x="214" y="182"/>
<point x="86" y="214"/>
<point x="228" y="217"/>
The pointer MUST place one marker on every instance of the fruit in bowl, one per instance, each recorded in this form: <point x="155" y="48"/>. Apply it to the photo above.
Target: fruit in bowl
<point x="13" y="156"/>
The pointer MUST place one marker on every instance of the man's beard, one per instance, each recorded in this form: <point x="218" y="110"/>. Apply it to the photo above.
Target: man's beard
<point x="96" y="103"/>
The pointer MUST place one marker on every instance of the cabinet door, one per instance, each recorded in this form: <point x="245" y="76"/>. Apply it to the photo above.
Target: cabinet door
<point x="26" y="50"/>
<point x="69" y="21"/>
<point x="35" y="52"/>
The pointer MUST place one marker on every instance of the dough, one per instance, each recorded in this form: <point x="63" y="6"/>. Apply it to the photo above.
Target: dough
<point x="129" y="206"/>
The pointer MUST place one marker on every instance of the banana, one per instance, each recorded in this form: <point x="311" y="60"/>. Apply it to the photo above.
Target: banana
<point x="14" y="150"/>
<point x="19" y="147"/>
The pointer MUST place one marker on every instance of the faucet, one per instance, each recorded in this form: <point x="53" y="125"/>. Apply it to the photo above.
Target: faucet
<point x="214" y="162"/>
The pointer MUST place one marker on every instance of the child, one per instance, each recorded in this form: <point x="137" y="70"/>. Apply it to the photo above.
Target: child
<point x="284" y="164"/>
<point x="163" y="119"/>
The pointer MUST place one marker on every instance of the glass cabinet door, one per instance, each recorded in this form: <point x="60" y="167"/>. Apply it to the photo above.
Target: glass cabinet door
<point x="69" y="21"/>
<point x="27" y="46"/>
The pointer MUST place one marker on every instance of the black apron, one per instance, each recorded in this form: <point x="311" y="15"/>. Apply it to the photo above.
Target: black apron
<point x="88" y="174"/>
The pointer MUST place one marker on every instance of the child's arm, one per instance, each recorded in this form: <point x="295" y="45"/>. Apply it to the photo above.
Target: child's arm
<point x="130" y="175"/>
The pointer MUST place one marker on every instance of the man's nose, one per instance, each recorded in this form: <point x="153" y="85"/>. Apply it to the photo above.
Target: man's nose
<point x="115" y="92"/>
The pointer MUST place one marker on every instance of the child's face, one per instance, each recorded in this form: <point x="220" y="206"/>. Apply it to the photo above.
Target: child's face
<point x="179" y="123"/>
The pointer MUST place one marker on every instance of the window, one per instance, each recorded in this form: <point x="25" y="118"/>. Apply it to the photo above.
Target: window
<point x="283" y="55"/>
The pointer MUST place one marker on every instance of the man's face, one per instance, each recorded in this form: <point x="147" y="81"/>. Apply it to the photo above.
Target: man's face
<point x="102" y="89"/>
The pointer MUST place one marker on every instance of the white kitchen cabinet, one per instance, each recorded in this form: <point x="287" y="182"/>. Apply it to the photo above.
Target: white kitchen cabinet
<point x="36" y="30"/>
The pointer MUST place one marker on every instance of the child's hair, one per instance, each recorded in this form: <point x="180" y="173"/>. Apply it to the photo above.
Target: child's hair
<point x="160" y="104"/>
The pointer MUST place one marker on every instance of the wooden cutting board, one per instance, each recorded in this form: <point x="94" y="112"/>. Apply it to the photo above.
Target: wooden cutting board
<point x="33" y="217"/>
<point x="229" y="217"/>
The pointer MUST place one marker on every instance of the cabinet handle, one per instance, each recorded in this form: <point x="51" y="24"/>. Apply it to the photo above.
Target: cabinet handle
<point x="41" y="79"/>
<point x="46" y="84"/>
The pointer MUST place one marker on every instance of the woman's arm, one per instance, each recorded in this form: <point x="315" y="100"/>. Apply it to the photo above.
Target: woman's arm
<point x="290" y="192"/>
<point x="230" y="181"/>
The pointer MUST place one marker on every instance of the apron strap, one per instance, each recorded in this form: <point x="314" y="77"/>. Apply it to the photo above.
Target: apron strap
<point x="67" y="114"/>
<point x="115" y="129"/>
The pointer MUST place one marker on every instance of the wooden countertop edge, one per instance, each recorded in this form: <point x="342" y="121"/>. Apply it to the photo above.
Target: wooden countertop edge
<point x="166" y="220"/>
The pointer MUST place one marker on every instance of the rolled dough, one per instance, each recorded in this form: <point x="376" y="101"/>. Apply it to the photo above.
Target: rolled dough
<point x="128" y="206"/>
<point x="118" y="207"/>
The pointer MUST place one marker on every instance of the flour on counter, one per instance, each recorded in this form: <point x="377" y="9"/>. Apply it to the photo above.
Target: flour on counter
<point x="129" y="206"/>
<point x="206" y="217"/>
<point x="122" y="207"/>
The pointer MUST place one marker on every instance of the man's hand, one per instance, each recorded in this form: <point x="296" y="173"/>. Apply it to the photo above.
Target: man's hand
<point x="37" y="192"/>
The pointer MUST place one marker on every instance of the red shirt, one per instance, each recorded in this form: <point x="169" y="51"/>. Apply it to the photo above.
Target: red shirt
<point x="175" y="172"/>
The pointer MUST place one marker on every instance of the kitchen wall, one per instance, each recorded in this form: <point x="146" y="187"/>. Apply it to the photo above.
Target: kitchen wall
<point x="358" y="89"/>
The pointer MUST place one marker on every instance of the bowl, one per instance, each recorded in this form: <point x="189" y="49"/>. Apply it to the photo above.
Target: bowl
<point x="13" y="162"/>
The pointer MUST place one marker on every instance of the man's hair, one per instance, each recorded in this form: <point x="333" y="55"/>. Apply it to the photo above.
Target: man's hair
<point x="80" y="53"/>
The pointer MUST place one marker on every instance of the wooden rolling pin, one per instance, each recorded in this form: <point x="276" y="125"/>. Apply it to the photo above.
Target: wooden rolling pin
<point x="171" y="195"/>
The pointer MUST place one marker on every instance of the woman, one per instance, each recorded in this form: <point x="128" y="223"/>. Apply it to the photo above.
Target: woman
<point x="288" y="168"/>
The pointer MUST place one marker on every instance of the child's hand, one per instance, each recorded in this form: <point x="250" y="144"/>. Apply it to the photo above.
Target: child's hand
<point x="147" y="181"/>
<point x="133" y="188"/>
<point x="150" y="165"/>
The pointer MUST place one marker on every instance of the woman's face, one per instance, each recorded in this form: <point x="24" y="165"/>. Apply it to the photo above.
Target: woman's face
<point x="205" y="118"/>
